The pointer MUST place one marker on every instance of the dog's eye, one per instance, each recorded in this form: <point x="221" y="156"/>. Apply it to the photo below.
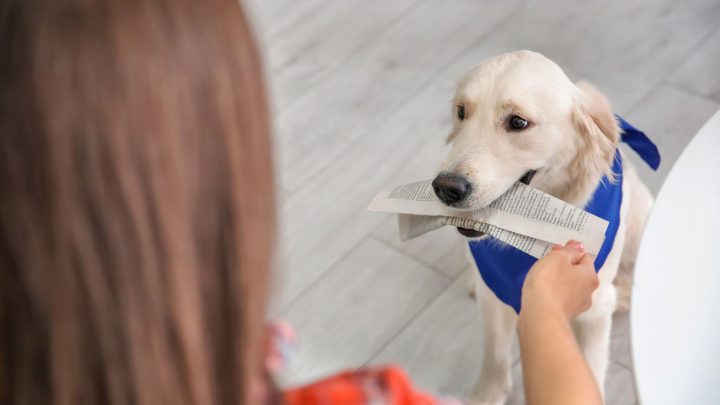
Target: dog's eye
<point x="517" y="123"/>
<point x="461" y="112"/>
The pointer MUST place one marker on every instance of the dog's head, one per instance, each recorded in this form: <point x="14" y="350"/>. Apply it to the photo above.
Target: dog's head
<point x="518" y="114"/>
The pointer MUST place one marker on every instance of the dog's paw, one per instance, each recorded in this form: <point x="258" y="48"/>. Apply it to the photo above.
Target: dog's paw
<point x="492" y="389"/>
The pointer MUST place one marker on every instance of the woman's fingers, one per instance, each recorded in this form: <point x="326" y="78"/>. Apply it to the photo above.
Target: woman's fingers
<point x="574" y="250"/>
<point x="586" y="260"/>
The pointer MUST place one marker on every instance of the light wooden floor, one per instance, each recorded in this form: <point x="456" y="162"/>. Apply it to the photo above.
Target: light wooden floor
<point x="361" y="93"/>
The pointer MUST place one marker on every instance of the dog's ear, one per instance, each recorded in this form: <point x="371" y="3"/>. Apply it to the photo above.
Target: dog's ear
<point x="597" y="129"/>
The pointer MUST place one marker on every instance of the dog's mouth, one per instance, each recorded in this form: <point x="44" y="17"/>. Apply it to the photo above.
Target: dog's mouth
<point x="527" y="177"/>
<point x="471" y="233"/>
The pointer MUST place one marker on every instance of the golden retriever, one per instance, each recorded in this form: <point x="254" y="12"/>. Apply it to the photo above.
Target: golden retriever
<point x="515" y="115"/>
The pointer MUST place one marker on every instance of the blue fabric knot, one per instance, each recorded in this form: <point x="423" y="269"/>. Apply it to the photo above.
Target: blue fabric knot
<point x="639" y="142"/>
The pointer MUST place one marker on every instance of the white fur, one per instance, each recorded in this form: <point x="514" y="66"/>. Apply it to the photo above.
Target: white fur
<point x="571" y="143"/>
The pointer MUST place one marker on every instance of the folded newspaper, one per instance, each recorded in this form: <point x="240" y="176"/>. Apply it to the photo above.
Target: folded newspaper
<point x="523" y="217"/>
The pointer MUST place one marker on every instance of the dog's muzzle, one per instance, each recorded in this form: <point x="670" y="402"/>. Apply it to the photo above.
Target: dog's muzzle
<point x="471" y="233"/>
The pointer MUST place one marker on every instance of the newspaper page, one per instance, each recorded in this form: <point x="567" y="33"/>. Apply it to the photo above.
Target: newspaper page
<point x="412" y="226"/>
<point x="522" y="211"/>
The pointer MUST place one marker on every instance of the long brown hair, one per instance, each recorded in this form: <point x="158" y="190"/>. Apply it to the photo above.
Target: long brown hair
<point x="136" y="202"/>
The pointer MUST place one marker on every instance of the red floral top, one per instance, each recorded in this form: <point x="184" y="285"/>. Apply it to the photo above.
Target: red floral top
<point x="374" y="385"/>
<point x="387" y="386"/>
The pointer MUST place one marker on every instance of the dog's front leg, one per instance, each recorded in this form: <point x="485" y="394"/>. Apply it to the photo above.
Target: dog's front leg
<point x="592" y="329"/>
<point x="499" y="320"/>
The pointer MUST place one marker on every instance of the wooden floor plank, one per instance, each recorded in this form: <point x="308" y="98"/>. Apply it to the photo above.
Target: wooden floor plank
<point x="625" y="48"/>
<point x="350" y="314"/>
<point x="670" y="117"/>
<point x="442" y="348"/>
<point x="307" y="51"/>
<point x="619" y="386"/>
<point x="443" y="250"/>
<point x="270" y="17"/>
<point x="699" y="74"/>
<point x="620" y="339"/>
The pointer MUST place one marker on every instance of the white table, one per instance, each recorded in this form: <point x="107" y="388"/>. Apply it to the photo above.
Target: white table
<point x="675" y="315"/>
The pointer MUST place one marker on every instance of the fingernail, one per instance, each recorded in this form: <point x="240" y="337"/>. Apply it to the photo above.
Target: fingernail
<point x="577" y="245"/>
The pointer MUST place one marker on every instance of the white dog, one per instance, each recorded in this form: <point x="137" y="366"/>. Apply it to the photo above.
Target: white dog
<point x="515" y="116"/>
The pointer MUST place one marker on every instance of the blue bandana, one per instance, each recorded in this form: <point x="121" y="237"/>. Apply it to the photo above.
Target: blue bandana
<point x="503" y="267"/>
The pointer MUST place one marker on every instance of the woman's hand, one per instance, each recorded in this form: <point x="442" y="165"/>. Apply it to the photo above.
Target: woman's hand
<point x="564" y="281"/>
<point x="557" y="289"/>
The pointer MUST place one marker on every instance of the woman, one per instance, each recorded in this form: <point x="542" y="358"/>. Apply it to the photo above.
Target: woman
<point x="136" y="205"/>
<point x="137" y="215"/>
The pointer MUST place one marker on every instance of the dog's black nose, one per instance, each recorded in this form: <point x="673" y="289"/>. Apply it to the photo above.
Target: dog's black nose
<point x="451" y="188"/>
